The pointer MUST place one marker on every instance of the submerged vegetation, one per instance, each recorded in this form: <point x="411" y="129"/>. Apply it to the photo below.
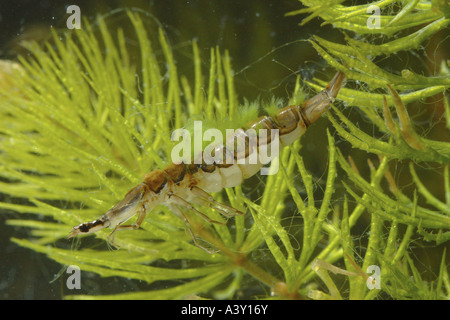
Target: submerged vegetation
<point x="82" y="121"/>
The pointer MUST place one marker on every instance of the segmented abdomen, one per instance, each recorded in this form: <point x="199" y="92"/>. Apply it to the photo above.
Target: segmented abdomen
<point x="243" y="161"/>
<point x="239" y="164"/>
<point x="181" y="185"/>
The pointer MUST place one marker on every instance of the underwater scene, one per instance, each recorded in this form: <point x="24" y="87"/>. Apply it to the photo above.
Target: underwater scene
<point x="225" y="150"/>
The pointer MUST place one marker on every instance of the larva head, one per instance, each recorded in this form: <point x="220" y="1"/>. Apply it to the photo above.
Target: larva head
<point x="313" y="108"/>
<point x="86" y="228"/>
<point x="122" y="211"/>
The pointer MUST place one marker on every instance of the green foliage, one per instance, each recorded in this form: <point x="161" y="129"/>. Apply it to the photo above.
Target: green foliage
<point x="78" y="130"/>
<point x="358" y="58"/>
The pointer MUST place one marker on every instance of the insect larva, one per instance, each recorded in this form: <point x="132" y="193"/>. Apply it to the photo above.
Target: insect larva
<point x="179" y="186"/>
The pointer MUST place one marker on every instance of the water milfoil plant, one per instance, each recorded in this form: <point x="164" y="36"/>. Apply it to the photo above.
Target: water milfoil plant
<point x="84" y="118"/>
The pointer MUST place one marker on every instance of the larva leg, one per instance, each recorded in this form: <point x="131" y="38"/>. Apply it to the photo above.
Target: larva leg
<point x="183" y="203"/>
<point x="222" y="208"/>
<point x="134" y="226"/>
<point x="175" y="210"/>
<point x="205" y="203"/>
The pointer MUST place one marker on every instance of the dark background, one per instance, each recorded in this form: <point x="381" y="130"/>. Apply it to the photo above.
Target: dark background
<point x="247" y="29"/>
<point x="266" y="57"/>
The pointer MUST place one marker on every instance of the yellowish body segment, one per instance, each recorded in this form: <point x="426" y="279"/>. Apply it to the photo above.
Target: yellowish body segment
<point x="180" y="186"/>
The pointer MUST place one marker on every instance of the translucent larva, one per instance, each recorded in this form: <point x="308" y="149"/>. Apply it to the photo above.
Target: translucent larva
<point x="180" y="186"/>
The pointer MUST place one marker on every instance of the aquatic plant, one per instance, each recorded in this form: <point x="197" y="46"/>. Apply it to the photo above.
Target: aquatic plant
<point x="82" y="122"/>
